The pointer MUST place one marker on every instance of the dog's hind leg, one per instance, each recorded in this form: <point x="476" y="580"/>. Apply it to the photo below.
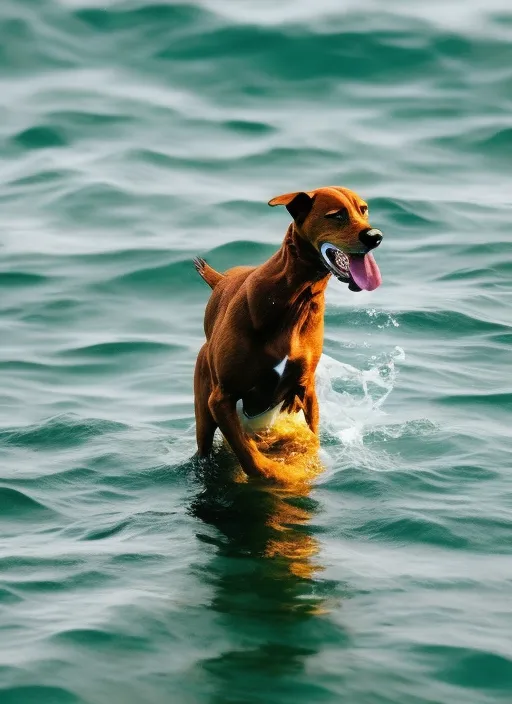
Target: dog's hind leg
<point x="205" y="422"/>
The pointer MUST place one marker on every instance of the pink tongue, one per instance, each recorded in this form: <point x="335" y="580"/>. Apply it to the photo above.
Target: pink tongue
<point x="365" y="271"/>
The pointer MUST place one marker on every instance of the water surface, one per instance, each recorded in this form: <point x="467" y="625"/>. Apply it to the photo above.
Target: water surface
<point x="135" y="136"/>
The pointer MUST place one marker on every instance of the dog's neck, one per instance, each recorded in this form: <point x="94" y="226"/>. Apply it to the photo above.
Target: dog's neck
<point x="288" y="288"/>
<point x="301" y="262"/>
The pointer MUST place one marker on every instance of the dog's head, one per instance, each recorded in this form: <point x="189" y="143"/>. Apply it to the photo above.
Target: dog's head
<point x="335" y="221"/>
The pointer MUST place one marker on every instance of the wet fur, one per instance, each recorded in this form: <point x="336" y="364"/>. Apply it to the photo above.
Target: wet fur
<point x="257" y="316"/>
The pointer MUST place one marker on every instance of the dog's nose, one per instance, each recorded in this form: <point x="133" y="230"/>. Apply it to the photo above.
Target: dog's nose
<point x="370" y="238"/>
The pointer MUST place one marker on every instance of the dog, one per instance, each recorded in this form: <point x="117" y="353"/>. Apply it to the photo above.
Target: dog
<point x="264" y="324"/>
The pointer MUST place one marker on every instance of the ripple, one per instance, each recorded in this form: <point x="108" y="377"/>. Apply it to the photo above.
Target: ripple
<point x="107" y="532"/>
<point x="85" y="122"/>
<point x="499" y="143"/>
<point x="470" y="667"/>
<point x="151" y="16"/>
<point x="62" y="583"/>
<point x="460" y="323"/>
<point x="94" y="638"/>
<point x="416" y="528"/>
<point x="61" y="431"/>
<point x="8" y="596"/>
<point x="17" y="505"/>
<point x="483" y="399"/>
<point x="41" y="137"/>
<point x="238" y="253"/>
<point x="39" y="694"/>
<point x="156" y="279"/>
<point x="45" y="179"/>
<point x="95" y="203"/>
<point x="406" y="213"/>
<point x="29" y="564"/>
<point x="119" y="348"/>
<point x="12" y="278"/>
<point x="249" y="127"/>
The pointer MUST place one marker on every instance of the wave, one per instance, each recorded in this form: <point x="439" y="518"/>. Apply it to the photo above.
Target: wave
<point x="39" y="693"/>
<point x="15" y="504"/>
<point x="66" y="430"/>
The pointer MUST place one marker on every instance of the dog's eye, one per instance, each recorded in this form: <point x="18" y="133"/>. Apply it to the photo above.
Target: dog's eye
<point x="340" y="215"/>
<point x="364" y="210"/>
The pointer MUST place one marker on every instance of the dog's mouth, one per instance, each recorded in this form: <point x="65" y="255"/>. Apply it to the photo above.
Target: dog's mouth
<point x="359" y="271"/>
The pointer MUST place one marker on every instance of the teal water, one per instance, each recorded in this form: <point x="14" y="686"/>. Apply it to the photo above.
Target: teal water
<point x="135" y="136"/>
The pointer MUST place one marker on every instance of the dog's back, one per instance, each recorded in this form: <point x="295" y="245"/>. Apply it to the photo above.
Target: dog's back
<point x="224" y="286"/>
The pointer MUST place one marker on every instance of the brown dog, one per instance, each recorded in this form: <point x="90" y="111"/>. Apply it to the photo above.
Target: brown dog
<point x="264" y="325"/>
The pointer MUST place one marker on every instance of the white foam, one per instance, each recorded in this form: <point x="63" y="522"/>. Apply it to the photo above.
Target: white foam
<point x="351" y="399"/>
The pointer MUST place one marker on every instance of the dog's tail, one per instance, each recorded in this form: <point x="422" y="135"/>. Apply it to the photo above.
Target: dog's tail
<point x="207" y="272"/>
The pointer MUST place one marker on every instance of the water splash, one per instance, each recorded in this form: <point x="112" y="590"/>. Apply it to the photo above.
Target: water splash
<point x="350" y="398"/>
<point x="382" y="318"/>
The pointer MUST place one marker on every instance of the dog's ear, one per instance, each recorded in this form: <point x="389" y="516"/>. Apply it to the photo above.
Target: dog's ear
<point x="298" y="204"/>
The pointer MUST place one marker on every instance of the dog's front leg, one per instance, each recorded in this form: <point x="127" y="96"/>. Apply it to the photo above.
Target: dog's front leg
<point x="252" y="461"/>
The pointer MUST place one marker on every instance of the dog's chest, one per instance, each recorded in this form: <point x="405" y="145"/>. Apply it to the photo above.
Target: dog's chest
<point x="294" y="341"/>
<point x="273" y="386"/>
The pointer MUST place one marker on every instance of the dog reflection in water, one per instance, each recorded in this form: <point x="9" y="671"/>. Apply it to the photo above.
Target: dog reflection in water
<point x="267" y="524"/>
